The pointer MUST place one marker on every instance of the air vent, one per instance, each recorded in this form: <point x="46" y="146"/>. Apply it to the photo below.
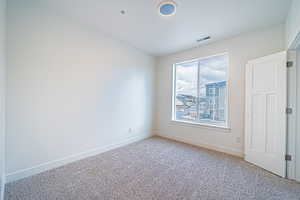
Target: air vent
<point x="203" y="39"/>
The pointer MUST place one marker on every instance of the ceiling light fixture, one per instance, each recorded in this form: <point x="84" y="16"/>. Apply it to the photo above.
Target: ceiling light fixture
<point x="167" y="8"/>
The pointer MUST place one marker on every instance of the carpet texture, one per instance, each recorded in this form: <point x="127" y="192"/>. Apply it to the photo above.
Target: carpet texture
<point x="155" y="168"/>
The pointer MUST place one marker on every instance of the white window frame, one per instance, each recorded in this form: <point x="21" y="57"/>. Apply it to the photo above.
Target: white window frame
<point x="173" y="117"/>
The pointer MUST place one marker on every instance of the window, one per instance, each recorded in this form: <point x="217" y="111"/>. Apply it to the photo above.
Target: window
<point x="200" y="91"/>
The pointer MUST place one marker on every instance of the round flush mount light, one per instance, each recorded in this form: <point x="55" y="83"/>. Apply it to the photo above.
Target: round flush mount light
<point x="167" y="8"/>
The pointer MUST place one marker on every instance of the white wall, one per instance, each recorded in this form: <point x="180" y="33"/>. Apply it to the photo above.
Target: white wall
<point x="293" y="23"/>
<point x="2" y="92"/>
<point x="70" y="90"/>
<point x="241" y="49"/>
<point x="2" y="95"/>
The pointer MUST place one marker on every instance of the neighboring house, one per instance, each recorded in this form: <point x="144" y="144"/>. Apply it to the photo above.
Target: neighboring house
<point x="212" y="106"/>
<point x="216" y="93"/>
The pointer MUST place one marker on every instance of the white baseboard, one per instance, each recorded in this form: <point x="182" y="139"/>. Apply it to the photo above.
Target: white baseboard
<point x="2" y="185"/>
<point x="235" y="152"/>
<point x="60" y="162"/>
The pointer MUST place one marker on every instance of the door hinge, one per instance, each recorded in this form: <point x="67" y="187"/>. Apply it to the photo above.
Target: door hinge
<point x="288" y="157"/>
<point x="289" y="64"/>
<point x="289" y="110"/>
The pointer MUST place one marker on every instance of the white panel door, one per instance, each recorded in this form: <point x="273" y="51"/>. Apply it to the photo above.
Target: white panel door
<point x="265" y="120"/>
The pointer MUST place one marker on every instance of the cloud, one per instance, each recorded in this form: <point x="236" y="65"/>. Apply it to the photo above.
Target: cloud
<point x="186" y="87"/>
<point x="212" y="70"/>
<point x="208" y="75"/>
<point x="187" y="73"/>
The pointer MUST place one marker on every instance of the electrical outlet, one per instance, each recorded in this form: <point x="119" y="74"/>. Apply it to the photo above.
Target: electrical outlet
<point x="130" y="130"/>
<point x="238" y="140"/>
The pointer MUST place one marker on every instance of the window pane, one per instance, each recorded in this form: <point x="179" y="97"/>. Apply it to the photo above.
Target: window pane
<point x="212" y="87"/>
<point x="201" y="91"/>
<point x="186" y="91"/>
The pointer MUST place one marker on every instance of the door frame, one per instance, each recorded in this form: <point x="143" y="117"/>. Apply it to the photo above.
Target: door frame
<point x="293" y="167"/>
<point x="292" y="92"/>
<point x="297" y="134"/>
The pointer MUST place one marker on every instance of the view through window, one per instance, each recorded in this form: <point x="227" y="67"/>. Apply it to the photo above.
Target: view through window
<point x="201" y="91"/>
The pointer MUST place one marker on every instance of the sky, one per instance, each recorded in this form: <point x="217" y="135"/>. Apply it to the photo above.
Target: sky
<point x="212" y="70"/>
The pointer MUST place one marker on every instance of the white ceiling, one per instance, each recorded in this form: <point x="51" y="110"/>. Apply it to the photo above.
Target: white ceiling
<point x="143" y="28"/>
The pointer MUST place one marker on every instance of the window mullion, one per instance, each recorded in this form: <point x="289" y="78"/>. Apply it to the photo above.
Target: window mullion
<point x="198" y="91"/>
<point x="174" y="91"/>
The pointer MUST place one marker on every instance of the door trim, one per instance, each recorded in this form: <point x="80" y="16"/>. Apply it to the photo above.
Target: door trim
<point x="296" y="43"/>
<point x="292" y="118"/>
<point x="297" y="135"/>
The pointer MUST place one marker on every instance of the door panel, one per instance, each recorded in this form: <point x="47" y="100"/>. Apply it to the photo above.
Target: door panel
<point x="271" y="130"/>
<point x="265" y="120"/>
<point x="258" y="125"/>
<point x="260" y="70"/>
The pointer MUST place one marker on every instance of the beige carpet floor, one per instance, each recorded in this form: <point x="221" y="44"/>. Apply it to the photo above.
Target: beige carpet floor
<point x="155" y="168"/>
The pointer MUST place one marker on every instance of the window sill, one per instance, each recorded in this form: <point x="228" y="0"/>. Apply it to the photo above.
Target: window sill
<point x="194" y="124"/>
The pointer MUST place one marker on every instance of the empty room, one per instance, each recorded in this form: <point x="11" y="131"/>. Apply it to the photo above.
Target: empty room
<point x="149" y="99"/>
